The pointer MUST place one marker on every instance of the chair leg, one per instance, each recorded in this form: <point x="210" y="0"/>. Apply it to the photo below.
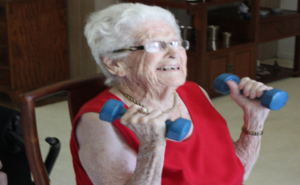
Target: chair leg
<point x="52" y="154"/>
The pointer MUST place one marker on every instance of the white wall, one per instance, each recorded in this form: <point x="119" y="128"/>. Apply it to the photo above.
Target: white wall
<point x="286" y="46"/>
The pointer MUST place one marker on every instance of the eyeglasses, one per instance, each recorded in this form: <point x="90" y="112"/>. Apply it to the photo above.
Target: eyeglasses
<point x="157" y="46"/>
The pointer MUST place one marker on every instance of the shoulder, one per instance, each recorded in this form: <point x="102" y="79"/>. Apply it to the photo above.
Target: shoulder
<point x="100" y="144"/>
<point x="102" y="147"/>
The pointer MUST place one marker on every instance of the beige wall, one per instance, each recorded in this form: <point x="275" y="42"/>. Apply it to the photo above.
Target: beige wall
<point x="81" y="61"/>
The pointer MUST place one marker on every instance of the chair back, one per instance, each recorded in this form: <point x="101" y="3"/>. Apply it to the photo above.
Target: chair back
<point x="78" y="92"/>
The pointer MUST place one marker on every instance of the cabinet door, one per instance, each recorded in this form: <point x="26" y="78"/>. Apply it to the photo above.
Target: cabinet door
<point x="243" y="63"/>
<point x="216" y="65"/>
<point x="238" y="61"/>
<point x="191" y="68"/>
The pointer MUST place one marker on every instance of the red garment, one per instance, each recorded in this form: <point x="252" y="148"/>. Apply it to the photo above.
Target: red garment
<point x="207" y="157"/>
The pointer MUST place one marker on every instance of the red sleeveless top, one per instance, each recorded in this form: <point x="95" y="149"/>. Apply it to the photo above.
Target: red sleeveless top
<point x="207" y="157"/>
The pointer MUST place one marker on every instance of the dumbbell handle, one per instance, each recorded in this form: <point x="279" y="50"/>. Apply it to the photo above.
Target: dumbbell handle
<point x="175" y="130"/>
<point x="273" y="99"/>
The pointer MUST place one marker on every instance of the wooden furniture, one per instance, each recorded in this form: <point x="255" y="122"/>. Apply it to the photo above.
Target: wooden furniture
<point x="206" y="63"/>
<point x="78" y="91"/>
<point x="33" y="45"/>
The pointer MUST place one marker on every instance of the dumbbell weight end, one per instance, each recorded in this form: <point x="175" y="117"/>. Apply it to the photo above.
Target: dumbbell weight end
<point x="112" y="110"/>
<point x="181" y="124"/>
<point x="273" y="99"/>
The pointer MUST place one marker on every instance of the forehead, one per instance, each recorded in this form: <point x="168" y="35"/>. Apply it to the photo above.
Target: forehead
<point x="156" y="31"/>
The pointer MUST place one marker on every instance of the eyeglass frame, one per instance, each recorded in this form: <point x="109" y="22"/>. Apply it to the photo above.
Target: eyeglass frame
<point x="142" y="47"/>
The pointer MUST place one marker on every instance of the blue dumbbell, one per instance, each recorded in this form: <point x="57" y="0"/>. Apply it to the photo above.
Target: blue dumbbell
<point x="114" y="109"/>
<point x="273" y="99"/>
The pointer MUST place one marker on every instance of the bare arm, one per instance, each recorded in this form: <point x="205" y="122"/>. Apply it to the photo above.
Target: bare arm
<point x="247" y="146"/>
<point x="107" y="157"/>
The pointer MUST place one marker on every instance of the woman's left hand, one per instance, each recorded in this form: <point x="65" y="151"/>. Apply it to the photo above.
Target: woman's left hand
<point x="253" y="110"/>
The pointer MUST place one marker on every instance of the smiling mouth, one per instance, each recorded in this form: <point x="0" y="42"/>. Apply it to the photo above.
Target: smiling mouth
<point x="168" y="68"/>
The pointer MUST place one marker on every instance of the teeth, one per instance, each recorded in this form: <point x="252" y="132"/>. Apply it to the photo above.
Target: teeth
<point x="168" y="68"/>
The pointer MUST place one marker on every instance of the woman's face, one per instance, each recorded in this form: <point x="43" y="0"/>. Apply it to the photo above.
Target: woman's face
<point x="154" y="68"/>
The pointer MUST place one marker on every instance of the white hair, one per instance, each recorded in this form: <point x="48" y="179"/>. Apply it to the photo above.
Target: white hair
<point x="115" y="28"/>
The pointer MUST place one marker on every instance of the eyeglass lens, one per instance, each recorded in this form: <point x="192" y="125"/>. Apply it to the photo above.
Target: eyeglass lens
<point x="159" y="46"/>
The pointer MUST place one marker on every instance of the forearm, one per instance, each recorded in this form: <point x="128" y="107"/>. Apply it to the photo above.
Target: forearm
<point x="149" y="165"/>
<point x="248" y="146"/>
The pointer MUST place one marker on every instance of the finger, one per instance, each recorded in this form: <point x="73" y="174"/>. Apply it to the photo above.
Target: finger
<point x="262" y="89"/>
<point x="0" y="165"/>
<point x="254" y="91"/>
<point x="243" y="82"/>
<point x="133" y="109"/>
<point x="130" y="115"/>
<point x="150" y="119"/>
<point x="247" y="87"/>
<point x="158" y="123"/>
<point x="155" y="113"/>
<point x="234" y="88"/>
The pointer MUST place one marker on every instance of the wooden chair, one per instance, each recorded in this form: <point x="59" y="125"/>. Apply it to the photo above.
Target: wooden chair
<point x="78" y="92"/>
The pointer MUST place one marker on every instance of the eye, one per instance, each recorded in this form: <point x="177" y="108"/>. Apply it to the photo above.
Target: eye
<point x="155" y="46"/>
<point x="175" y="44"/>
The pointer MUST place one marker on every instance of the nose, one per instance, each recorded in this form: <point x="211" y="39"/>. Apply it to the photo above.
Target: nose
<point x="172" y="52"/>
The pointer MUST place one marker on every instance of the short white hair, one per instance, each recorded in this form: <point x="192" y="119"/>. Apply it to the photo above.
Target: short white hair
<point x="115" y="28"/>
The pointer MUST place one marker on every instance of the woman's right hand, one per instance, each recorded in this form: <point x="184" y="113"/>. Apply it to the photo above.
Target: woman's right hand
<point x="3" y="177"/>
<point x="149" y="128"/>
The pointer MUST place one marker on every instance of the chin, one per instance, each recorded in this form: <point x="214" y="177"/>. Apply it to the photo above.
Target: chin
<point x="176" y="82"/>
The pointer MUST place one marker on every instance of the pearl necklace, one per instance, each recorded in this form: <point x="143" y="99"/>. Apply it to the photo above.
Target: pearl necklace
<point x="144" y="110"/>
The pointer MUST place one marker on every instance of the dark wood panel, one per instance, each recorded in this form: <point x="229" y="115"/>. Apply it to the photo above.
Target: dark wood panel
<point x="10" y="1"/>
<point x="191" y="68"/>
<point x="2" y="13"/>
<point x="242" y="63"/>
<point x="279" y="29"/>
<point x="217" y="66"/>
<point x="3" y="35"/>
<point x="38" y="42"/>
<point x="5" y="77"/>
<point x="4" y="60"/>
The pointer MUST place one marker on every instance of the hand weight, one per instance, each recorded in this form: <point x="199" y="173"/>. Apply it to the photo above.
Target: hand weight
<point x="273" y="99"/>
<point x="114" y="109"/>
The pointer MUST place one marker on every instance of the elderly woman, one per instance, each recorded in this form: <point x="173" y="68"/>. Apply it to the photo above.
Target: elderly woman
<point x="140" y="51"/>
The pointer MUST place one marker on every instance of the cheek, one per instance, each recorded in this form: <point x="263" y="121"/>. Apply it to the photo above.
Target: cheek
<point x="184" y="61"/>
<point x="141" y="68"/>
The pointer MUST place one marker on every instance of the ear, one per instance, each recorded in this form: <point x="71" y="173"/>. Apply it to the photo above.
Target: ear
<point x="115" y="67"/>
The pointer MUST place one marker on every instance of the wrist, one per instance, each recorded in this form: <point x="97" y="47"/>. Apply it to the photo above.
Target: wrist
<point x="253" y="122"/>
<point x="251" y="132"/>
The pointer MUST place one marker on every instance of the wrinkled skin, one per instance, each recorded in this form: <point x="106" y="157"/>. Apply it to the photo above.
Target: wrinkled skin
<point x="138" y="76"/>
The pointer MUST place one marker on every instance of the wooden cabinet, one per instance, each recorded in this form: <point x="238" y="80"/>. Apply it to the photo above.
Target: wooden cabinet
<point x="276" y="27"/>
<point x="239" y="61"/>
<point x="33" y="45"/>
<point x="207" y="60"/>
